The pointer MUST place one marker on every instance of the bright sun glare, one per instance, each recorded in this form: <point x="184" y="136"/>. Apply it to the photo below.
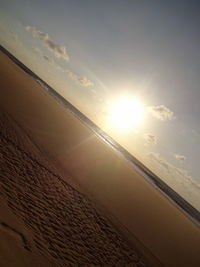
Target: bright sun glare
<point x="126" y="113"/>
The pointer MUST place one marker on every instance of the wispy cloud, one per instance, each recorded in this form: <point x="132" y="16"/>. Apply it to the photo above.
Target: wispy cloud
<point x="83" y="81"/>
<point x="158" y="159"/>
<point x="161" y="112"/>
<point x="48" y="59"/>
<point x="58" y="50"/>
<point x="174" y="171"/>
<point x="178" y="178"/>
<point x="170" y="168"/>
<point x="150" y="139"/>
<point x="180" y="157"/>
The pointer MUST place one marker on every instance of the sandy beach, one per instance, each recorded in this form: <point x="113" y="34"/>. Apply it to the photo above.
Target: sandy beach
<point x="59" y="222"/>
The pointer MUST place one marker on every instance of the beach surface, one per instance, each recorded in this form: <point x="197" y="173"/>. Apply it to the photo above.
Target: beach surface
<point x="48" y="218"/>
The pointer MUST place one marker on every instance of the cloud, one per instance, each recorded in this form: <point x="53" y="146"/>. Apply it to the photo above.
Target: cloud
<point x="179" y="175"/>
<point x="158" y="159"/>
<point x="170" y="168"/>
<point x="180" y="157"/>
<point x="177" y="178"/>
<point x="48" y="59"/>
<point x="58" y="50"/>
<point x="150" y="139"/>
<point x="174" y="171"/>
<point x="83" y="81"/>
<point x="161" y="112"/>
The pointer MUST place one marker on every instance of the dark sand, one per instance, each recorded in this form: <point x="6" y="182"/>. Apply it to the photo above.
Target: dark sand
<point x="91" y="166"/>
<point x="61" y="223"/>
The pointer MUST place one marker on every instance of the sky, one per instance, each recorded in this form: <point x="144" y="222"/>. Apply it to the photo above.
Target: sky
<point x="94" y="52"/>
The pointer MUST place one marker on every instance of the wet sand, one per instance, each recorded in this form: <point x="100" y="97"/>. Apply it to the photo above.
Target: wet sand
<point x="91" y="166"/>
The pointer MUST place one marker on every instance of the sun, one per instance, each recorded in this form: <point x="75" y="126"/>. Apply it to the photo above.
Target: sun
<point x="126" y="113"/>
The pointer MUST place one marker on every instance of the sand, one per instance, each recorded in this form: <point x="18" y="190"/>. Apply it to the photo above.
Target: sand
<point x="155" y="229"/>
<point x="62" y="224"/>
